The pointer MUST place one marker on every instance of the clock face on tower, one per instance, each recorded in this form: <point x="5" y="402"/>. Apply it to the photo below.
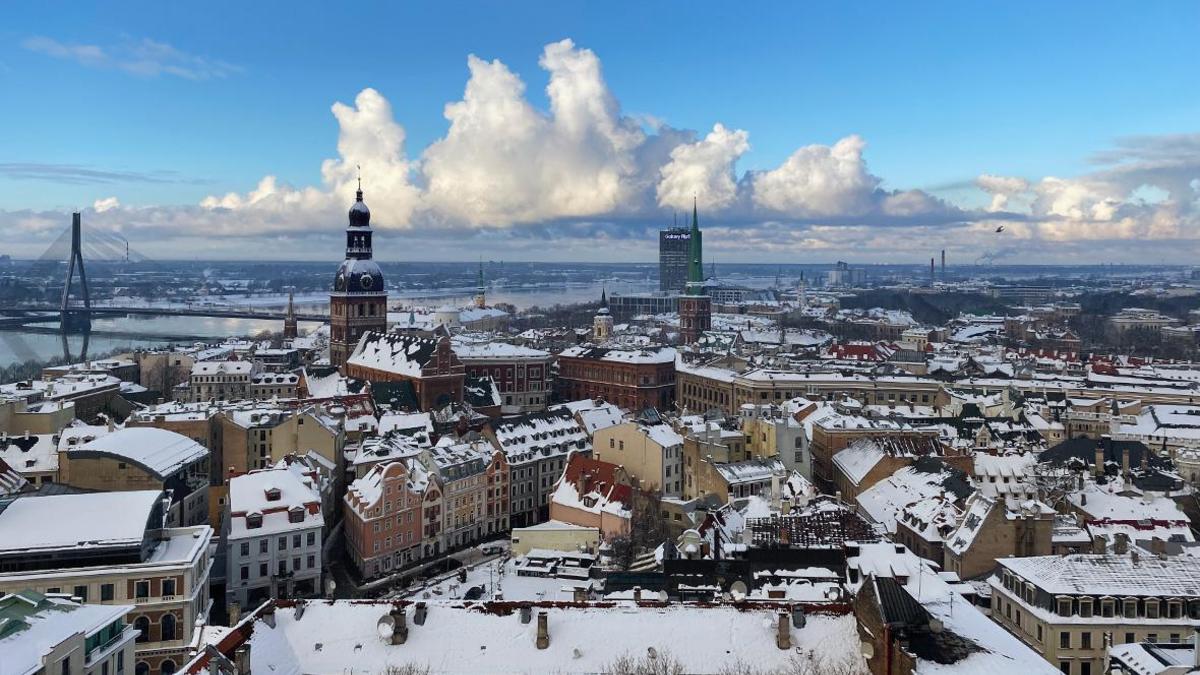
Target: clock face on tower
<point x="366" y="282"/>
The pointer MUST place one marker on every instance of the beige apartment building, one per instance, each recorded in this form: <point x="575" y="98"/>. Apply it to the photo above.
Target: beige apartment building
<point x="702" y="388"/>
<point x="256" y="436"/>
<point x="652" y="455"/>
<point x="1067" y="607"/>
<point x="18" y="416"/>
<point x="130" y="559"/>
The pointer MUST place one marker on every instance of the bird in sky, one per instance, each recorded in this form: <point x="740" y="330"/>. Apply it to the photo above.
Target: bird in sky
<point x="1000" y="229"/>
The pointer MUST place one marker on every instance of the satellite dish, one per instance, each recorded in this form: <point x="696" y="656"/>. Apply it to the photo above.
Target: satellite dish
<point x="385" y="626"/>
<point x="738" y="590"/>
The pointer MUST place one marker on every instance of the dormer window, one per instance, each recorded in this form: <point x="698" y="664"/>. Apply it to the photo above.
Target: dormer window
<point x="1085" y="607"/>
<point x="1152" y="608"/>
<point x="1131" y="608"/>
<point x="1064" y="606"/>
<point x="273" y="494"/>
<point x="296" y="514"/>
<point x="253" y="520"/>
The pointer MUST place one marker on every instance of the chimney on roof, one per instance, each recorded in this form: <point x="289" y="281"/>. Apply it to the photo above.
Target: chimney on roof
<point x="268" y="615"/>
<point x="1125" y="462"/>
<point x="399" y="626"/>
<point x="783" y="632"/>
<point x="1098" y="466"/>
<point x="241" y="659"/>
<point x="579" y="594"/>
<point x="1158" y="546"/>
<point x="1099" y="545"/>
<point x="543" y="631"/>
<point x="1120" y="543"/>
<point x="235" y="613"/>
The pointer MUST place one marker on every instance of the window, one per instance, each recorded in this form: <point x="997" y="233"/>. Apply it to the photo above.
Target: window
<point x="312" y="538"/>
<point x="141" y="590"/>
<point x="168" y="626"/>
<point x="245" y="548"/>
<point x="283" y="567"/>
<point x="1174" y="638"/>
<point x="244" y="573"/>
<point x="1129" y="637"/>
<point x="65" y="666"/>
<point x="262" y="570"/>
<point x="1130" y="609"/>
<point x="1152" y="609"/>
<point x="168" y="587"/>
<point x="142" y="624"/>
<point x="1065" y="666"/>
<point x="1064" y="640"/>
<point x="1064" y="607"/>
<point x="1085" y="668"/>
<point x="1085" y="607"/>
<point x="295" y="541"/>
<point x="106" y="592"/>
<point x="1039" y="632"/>
<point x="283" y="543"/>
<point x="80" y="592"/>
<point x="312" y="560"/>
<point x="121" y="661"/>
<point x="1087" y="640"/>
<point x="263" y="545"/>
<point x="1151" y="637"/>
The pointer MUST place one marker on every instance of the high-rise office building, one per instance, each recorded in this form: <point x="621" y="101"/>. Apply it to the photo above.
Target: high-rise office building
<point x="673" y="247"/>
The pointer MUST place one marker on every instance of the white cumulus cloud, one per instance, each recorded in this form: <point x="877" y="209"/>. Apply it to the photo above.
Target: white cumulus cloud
<point x="703" y="170"/>
<point x="819" y="180"/>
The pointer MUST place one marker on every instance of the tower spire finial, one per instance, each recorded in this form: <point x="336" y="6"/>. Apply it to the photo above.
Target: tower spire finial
<point x="359" y="167"/>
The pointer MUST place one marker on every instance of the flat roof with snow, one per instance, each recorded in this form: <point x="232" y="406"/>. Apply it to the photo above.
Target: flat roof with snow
<point x="66" y="522"/>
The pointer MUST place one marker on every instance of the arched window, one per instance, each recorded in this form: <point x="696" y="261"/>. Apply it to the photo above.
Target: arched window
<point x="167" y="667"/>
<point x="143" y="626"/>
<point x="142" y="668"/>
<point x="168" y="627"/>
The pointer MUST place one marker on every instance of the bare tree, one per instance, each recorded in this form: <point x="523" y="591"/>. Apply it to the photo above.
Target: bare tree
<point x="653" y="662"/>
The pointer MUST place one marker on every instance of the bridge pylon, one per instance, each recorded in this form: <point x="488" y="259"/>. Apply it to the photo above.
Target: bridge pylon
<point x="76" y="319"/>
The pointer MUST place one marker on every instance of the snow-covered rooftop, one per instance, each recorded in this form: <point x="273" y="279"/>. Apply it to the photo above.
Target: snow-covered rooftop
<point x="159" y="451"/>
<point x="77" y="521"/>
<point x="464" y="639"/>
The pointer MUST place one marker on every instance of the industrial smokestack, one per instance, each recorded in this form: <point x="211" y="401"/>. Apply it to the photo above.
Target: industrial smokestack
<point x="931" y="278"/>
<point x="943" y="264"/>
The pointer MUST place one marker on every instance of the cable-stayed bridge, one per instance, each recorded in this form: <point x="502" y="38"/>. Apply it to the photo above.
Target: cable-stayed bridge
<point x="75" y="310"/>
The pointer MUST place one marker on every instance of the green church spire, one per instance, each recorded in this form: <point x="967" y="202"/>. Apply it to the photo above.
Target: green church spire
<point x="695" y="285"/>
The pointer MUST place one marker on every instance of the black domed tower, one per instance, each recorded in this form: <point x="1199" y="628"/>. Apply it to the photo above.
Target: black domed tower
<point x="359" y="302"/>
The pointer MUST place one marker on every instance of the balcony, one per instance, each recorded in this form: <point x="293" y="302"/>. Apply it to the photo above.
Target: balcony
<point x="101" y="652"/>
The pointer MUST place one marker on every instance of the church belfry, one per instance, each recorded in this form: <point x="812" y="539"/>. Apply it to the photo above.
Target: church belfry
<point x="358" y="303"/>
<point x="602" y="323"/>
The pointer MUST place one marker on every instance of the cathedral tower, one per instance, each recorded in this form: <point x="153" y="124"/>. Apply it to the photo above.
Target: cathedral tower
<point x="358" y="302"/>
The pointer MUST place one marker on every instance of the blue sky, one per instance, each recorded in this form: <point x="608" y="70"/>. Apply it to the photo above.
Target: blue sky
<point x="193" y="100"/>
